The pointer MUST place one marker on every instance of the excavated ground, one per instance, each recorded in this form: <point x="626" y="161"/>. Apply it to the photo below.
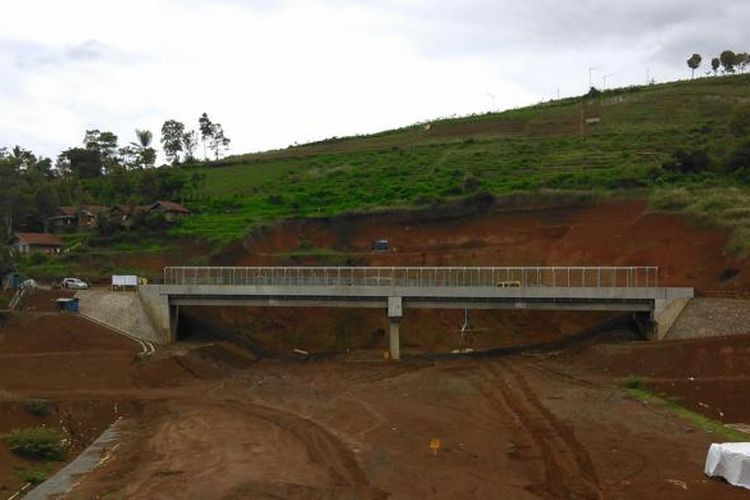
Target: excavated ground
<point x="207" y="419"/>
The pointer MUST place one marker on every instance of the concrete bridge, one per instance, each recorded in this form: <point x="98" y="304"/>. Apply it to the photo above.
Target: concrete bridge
<point x="393" y="289"/>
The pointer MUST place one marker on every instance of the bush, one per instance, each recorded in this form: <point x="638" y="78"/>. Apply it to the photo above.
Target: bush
<point x="36" y="475"/>
<point x="739" y="124"/>
<point x="688" y="162"/>
<point x="37" y="442"/>
<point x="739" y="161"/>
<point x="633" y="382"/>
<point x="37" y="407"/>
<point x="37" y="258"/>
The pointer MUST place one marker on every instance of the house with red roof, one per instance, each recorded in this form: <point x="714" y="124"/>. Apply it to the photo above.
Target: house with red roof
<point x="171" y="209"/>
<point x="24" y="243"/>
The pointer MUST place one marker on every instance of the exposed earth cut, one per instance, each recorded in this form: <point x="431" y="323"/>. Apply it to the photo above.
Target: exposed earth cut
<point x="544" y="415"/>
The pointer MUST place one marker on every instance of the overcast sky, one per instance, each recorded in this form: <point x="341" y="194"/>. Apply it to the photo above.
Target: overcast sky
<point x="275" y="72"/>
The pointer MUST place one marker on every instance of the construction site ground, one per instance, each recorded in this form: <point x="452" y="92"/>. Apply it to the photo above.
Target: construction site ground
<point x="209" y="420"/>
<point x="205" y="418"/>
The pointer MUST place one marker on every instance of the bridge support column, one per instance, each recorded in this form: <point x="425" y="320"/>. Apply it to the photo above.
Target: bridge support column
<point x="394" y="340"/>
<point x="395" y="313"/>
<point x="174" y="321"/>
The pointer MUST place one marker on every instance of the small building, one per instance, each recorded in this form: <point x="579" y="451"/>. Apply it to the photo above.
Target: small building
<point x="24" y="243"/>
<point x="379" y="246"/>
<point x="66" y="217"/>
<point x="171" y="209"/>
<point x="123" y="215"/>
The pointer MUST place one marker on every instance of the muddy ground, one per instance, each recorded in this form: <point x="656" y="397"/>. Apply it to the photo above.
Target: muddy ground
<point x="208" y="420"/>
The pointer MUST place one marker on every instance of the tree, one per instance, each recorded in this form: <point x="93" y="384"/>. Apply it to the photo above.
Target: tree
<point x="741" y="60"/>
<point x="728" y="59"/>
<point x="171" y="139"/>
<point x="219" y="142"/>
<point x="144" y="154"/>
<point x="189" y="143"/>
<point x="23" y="157"/>
<point x="105" y="145"/>
<point x="693" y="63"/>
<point x="206" y="129"/>
<point x="144" y="138"/>
<point x="715" y="64"/>
<point x="80" y="163"/>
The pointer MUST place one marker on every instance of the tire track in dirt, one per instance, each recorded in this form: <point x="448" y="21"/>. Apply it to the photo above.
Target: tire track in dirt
<point x="322" y="446"/>
<point x="568" y="470"/>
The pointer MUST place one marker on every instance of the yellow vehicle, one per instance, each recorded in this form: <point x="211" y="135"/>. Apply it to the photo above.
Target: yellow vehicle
<point x="508" y="284"/>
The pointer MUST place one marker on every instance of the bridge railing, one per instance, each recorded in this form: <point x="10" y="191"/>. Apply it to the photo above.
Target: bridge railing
<point x="511" y="277"/>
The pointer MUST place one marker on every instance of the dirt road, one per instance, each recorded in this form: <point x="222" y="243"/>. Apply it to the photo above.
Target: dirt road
<point x="511" y="428"/>
<point x="207" y="421"/>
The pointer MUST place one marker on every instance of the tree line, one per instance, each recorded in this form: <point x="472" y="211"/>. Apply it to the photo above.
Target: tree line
<point x="101" y="171"/>
<point x="728" y="61"/>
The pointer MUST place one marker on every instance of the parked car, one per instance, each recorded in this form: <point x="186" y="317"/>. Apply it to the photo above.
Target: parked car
<point x="74" y="284"/>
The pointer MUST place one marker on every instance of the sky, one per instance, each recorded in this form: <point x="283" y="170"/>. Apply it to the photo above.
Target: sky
<point x="278" y="72"/>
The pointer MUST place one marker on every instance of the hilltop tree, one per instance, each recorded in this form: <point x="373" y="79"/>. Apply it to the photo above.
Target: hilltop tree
<point x="207" y="130"/>
<point x="80" y="163"/>
<point x="728" y="60"/>
<point x="146" y="155"/>
<point x="693" y="63"/>
<point x="715" y="64"/>
<point x="741" y="60"/>
<point x="104" y="144"/>
<point x="189" y="143"/>
<point x="172" y="133"/>
<point x="219" y="142"/>
<point x="212" y="134"/>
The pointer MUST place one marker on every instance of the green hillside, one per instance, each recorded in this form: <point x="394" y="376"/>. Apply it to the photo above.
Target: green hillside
<point x="553" y="145"/>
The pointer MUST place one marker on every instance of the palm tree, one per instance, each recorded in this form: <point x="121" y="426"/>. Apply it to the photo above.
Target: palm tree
<point x="144" y="151"/>
<point x="144" y="138"/>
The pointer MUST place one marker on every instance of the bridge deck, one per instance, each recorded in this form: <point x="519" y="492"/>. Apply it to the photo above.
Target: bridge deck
<point x="396" y="288"/>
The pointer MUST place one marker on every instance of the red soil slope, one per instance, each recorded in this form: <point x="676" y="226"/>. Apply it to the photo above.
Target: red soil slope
<point x="592" y="233"/>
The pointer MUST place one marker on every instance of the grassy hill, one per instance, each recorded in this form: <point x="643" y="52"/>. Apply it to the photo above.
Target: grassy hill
<point x="552" y="145"/>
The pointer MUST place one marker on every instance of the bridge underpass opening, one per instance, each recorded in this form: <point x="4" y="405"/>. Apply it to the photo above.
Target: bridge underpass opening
<point x="274" y="330"/>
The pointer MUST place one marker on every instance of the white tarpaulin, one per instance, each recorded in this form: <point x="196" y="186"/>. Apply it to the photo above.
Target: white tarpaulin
<point x="124" y="280"/>
<point x="730" y="461"/>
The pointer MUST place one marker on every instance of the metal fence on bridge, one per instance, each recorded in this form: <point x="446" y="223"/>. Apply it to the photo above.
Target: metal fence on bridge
<point x="569" y="276"/>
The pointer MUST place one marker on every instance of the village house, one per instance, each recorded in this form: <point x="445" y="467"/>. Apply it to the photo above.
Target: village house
<point x="67" y="218"/>
<point x="123" y="215"/>
<point x="172" y="210"/>
<point x="25" y="243"/>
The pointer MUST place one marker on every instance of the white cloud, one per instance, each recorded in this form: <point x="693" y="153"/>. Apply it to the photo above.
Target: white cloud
<point x="276" y="72"/>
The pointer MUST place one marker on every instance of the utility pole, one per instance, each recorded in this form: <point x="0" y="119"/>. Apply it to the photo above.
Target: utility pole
<point x="604" y="80"/>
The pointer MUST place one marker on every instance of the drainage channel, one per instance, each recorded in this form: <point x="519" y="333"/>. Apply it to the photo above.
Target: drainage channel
<point x="67" y="478"/>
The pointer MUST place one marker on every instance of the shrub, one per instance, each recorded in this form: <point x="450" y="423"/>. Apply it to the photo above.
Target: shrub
<point x="688" y="162"/>
<point x="739" y="123"/>
<point x="37" y="442"/>
<point x="739" y="161"/>
<point x="275" y="199"/>
<point x="37" y="258"/>
<point x="37" y="407"/>
<point x="36" y="475"/>
<point x="633" y="382"/>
